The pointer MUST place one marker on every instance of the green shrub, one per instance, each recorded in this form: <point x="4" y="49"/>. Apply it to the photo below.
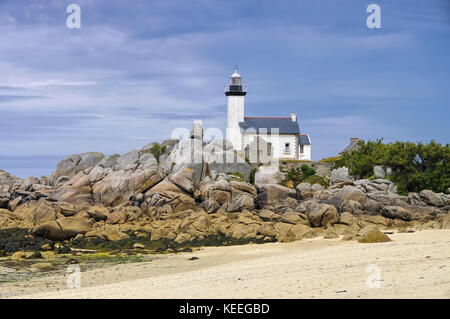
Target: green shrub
<point x="157" y="150"/>
<point x="307" y="171"/>
<point x="304" y="174"/>
<point x="415" y="166"/>
<point x="295" y="176"/>
<point x="316" y="179"/>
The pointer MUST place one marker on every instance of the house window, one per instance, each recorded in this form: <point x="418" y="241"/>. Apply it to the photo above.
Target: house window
<point x="287" y="148"/>
<point x="301" y="149"/>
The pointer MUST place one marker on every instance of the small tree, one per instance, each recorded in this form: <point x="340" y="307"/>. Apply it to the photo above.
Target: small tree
<point x="157" y="150"/>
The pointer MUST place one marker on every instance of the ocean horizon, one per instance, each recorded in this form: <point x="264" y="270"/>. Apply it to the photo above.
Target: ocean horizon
<point x="29" y="165"/>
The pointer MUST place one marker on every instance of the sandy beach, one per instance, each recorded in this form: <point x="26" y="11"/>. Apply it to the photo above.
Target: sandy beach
<point x="413" y="265"/>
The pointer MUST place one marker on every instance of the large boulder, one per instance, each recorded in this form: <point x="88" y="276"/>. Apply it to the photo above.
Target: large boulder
<point x="242" y="188"/>
<point x="167" y="202"/>
<point x="220" y="196"/>
<point x="165" y="186"/>
<point x="340" y="175"/>
<point x="396" y="212"/>
<point x="378" y="171"/>
<point x="274" y="195"/>
<point x="198" y="224"/>
<point x="431" y="198"/>
<point x="268" y="215"/>
<point x="28" y="183"/>
<point x="218" y="191"/>
<point x="128" y="161"/>
<point x="293" y="217"/>
<point x="98" y="212"/>
<point x="348" y="219"/>
<point x="117" y="217"/>
<point x="73" y="164"/>
<point x="321" y="214"/>
<point x="301" y="231"/>
<point x="109" y="161"/>
<point x="284" y="232"/>
<point x="63" y="228"/>
<point x="39" y="212"/>
<point x="210" y="206"/>
<point x="374" y="236"/>
<point x="239" y="203"/>
<point x="89" y="160"/>
<point x="187" y="154"/>
<point x="118" y="186"/>
<point x="184" y="179"/>
<point x="351" y="193"/>
<point x="304" y="191"/>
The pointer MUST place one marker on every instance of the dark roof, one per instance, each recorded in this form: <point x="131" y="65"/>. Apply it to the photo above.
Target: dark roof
<point x="285" y="125"/>
<point x="351" y="147"/>
<point x="303" y="140"/>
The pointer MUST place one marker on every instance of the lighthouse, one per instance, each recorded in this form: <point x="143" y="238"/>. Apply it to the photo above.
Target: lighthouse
<point x="235" y="109"/>
<point x="281" y="133"/>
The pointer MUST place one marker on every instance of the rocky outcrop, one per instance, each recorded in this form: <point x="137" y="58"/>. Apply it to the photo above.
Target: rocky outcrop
<point x="73" y="164"/>
<point x="9" y="180"/>
<point x="193" y="193"/>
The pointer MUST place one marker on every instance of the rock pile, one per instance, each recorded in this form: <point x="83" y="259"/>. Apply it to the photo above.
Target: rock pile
<point x="195" y="193"/>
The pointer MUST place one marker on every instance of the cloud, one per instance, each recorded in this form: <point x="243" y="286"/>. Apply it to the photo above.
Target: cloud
<point x="11" y="98"/>
<point x="118" y="83"/>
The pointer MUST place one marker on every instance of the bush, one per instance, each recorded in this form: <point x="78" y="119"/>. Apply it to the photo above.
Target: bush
<point x="415" y="166"/>
<point x="157" y="150"/>
<point x="316" y="179"/>
<point x="304" y="174"/>
<point x="307" y="171"/>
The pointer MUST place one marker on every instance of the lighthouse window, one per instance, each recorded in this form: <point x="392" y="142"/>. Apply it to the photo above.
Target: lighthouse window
<point x="301" y="149"/>
<point x="287" y="148"/>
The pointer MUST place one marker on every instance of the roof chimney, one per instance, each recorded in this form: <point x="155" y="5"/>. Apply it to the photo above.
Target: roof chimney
<point x="354" y="139"/>
<point x="294" y="117"/>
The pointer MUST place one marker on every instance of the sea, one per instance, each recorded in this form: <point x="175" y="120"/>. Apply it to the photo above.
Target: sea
<point x="24" y="166"/>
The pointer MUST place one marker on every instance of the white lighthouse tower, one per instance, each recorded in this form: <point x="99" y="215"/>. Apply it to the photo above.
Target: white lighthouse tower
<point x="235" y="110"/>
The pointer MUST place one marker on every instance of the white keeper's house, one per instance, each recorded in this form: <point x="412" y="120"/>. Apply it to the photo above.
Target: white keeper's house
<point x="283" y="133"/>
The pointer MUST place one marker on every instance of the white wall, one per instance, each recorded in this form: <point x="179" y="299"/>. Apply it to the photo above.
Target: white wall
<point x="278" y="142"/>
<point x="306" y="156"/>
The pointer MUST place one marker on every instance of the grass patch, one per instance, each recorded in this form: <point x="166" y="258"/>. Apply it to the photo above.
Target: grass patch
<point x="330" y="159"/>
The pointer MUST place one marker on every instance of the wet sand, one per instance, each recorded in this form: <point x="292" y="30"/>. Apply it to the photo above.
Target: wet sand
<point x="413" y="265"/>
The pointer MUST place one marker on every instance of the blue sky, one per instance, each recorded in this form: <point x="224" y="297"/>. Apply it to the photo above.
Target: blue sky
<point x="136" y="70"/>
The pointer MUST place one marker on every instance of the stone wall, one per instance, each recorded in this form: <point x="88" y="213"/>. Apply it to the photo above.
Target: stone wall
<point x="322" y="169"/>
